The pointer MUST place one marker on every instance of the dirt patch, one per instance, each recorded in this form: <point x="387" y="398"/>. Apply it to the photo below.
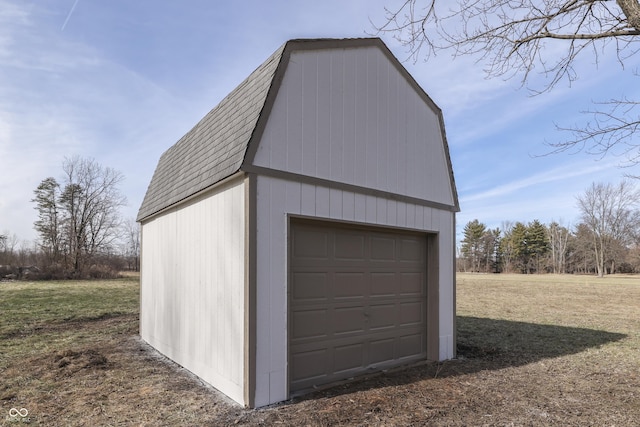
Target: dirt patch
<point x="70" y="360"/>
<point x="563" y="358"/>
<point x="122" y="381"/>
<point x="62" y="326"/>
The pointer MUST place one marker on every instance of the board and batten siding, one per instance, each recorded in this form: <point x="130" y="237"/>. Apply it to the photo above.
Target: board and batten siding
<point x="193" y="286"/>
<point x="277" y="200"/>
<point x="349" y="115"/>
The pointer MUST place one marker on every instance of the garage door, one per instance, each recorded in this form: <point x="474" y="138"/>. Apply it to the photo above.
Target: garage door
<point x="357" y="301"/>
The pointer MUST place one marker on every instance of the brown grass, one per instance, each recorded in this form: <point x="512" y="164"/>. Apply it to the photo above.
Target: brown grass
<point x="533" y="350"/>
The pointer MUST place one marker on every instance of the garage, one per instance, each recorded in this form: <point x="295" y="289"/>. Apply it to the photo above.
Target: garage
<point x="357" y="301"/>
<point x="303" y="231"/>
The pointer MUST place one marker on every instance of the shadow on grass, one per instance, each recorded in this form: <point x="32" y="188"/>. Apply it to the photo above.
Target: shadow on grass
<point x="486" y="344"/>
<point x="519" y="343"/>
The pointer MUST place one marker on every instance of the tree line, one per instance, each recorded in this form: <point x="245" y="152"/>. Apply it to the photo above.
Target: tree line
<point x="81" y="232"/>
<point x="604" y="241"/>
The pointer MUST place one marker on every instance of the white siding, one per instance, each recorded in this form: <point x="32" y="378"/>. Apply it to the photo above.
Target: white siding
<point x="348" y="115"/>
<point x="444" y="222"/>
<point x="276" y="199"/>
<point x="192" y="286"/>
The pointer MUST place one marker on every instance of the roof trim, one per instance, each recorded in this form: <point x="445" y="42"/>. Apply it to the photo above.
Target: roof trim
<point x="230" y="179"/>
<point x="368" y="191"/>
<point x="318" y="44"/>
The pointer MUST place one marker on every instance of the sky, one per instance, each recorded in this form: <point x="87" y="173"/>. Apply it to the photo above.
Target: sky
<point x="121" y="81"/>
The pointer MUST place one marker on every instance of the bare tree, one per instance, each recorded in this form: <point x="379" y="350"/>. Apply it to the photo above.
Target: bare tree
<point x="132" y="244"/>
<point x="518" y="37"/>
<point x="506" y="246"/>
<point x="91" y="203"/>
<point x="80" y="217"/>
<point x="8" y="243"/>
<point x="3" y="242"/>
<point x="8" y="252"/>
<point x="580" y="258"/>
<point x="610" y="130"/>
<point x="558" y="240"/>
<point x="609" y="213"/>
<point x="4" y="253"/>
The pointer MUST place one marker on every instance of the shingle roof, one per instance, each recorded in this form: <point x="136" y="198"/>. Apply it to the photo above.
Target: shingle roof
<point x="221" y="142"/>
<point x="214" y="149"/>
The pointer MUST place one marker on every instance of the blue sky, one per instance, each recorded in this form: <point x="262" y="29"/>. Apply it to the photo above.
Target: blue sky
<point x="121" y="81"/>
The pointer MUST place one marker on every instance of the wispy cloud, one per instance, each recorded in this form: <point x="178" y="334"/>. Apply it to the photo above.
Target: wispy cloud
<point x="75" y="3"/>
<point x="60" y="97"/>
<point x="558" y="174"/>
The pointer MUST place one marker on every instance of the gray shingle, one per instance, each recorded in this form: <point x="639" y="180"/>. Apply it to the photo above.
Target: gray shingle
<point x="215" y="147"/>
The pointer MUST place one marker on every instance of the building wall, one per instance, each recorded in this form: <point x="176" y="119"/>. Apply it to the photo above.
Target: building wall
<point x="349" y="115"/>
<point x="277" y="199"/>
<point x="192" y="286"/>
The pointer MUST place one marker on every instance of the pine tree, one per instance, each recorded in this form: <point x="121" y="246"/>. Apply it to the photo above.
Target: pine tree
<point x="48" y="223"/>
<point x="537" y="242"/>
<point x="472" y="244"/>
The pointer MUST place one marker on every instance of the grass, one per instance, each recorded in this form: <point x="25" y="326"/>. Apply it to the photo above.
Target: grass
<point x="533" y="350"/>
<point x="50" y="331"/>
<point x="35" y="312"/>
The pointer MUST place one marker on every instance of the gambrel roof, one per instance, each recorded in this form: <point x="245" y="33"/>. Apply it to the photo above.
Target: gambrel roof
<point x="215" y="147"/>
<point x="218" y="146"/>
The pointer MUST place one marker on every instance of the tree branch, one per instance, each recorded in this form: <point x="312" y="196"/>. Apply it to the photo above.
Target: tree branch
<point x="506" y="34"/>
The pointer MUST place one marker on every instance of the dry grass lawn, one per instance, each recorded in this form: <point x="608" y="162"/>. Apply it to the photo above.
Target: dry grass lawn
<point x="533" y="350"/>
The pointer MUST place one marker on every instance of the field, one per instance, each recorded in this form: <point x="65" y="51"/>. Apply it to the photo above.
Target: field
<point x="533" y="350"/>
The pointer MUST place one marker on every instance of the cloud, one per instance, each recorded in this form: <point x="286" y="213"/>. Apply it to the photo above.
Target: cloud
<point x="558" y="174"/>
<point x="548" y="195"/>
<point x="75" y="3"/>
<point x="59" y="98"/>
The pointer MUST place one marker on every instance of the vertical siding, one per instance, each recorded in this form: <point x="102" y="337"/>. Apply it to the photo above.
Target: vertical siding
<point x="192" y="296"/>
<point x="445" y="222"/>
<point x="349" y="116"/>
<point x="276" y="199"/>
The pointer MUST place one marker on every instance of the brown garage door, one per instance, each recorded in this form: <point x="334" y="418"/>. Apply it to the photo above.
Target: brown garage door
<point x="357" y="301"/>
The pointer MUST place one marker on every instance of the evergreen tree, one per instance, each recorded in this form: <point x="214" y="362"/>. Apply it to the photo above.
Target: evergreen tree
<point x="537" y="242"/>
<point x="48" y="223"/>
<point x="528" y="243"/>
<point x="519" y="249"/>
<point x="472" y="244"/>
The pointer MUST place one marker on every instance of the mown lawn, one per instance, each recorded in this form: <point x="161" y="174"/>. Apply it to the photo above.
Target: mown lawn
<point x="533" y="350"/>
